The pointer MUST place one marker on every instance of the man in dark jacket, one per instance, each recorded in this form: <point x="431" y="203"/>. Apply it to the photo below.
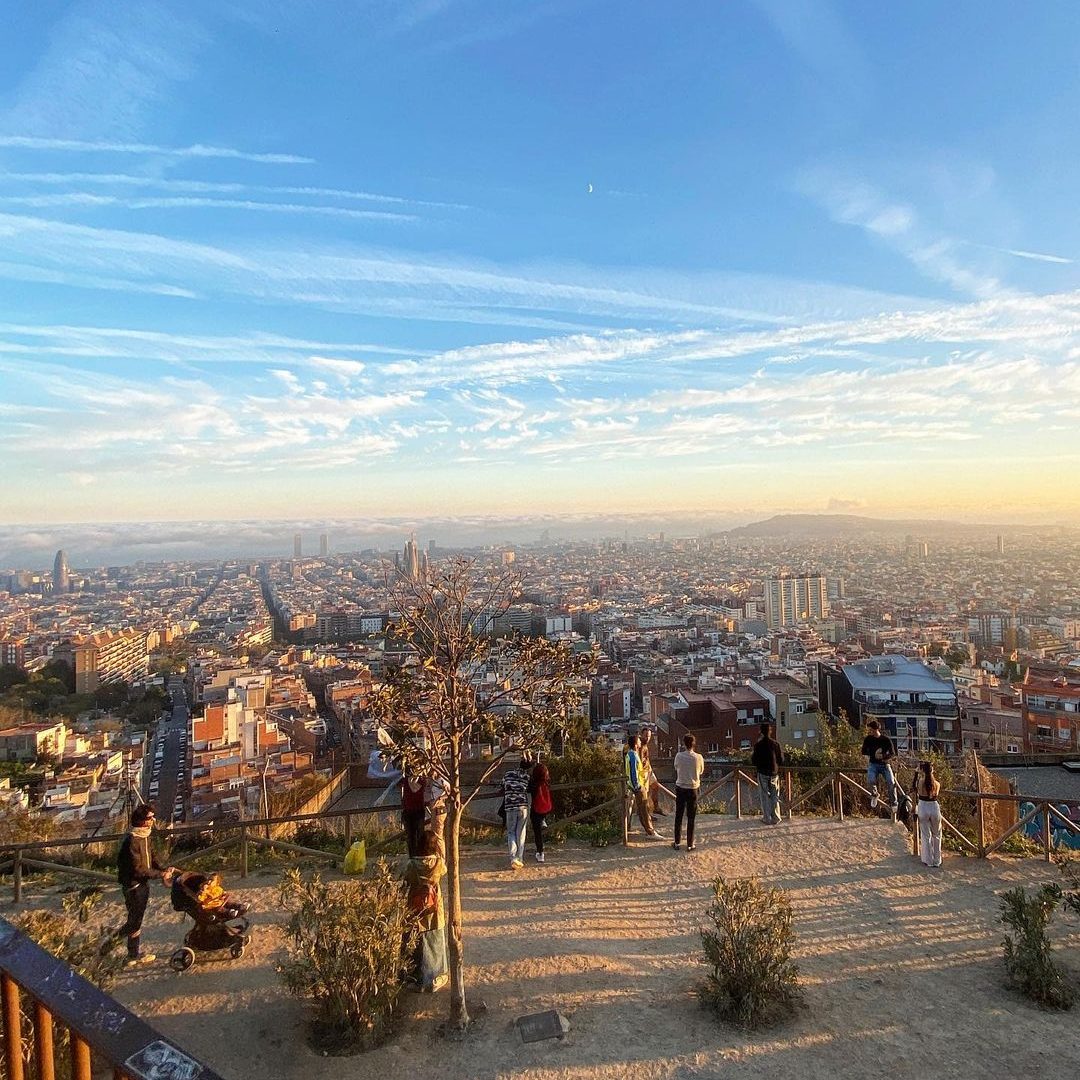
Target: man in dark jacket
<point x="136" y="866"/>
<point x="767" y="758"/>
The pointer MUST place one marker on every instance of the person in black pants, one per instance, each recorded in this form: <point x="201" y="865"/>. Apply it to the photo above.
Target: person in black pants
<point x="541" y="804"/>
<point x="136" y="865"/>
<point x="689" y="765"/>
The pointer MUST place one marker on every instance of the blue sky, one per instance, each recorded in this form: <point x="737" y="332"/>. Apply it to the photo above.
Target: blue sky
<point x="303" y="259"/>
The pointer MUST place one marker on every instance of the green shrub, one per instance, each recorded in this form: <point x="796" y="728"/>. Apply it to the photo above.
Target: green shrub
<point x="598" y="834"/>
<point x="753" y="980"/>
<point x="349" y="945"/>
<point x="80" y="936"/>
<point x="1029" y="966"/>
<point x="713" y="806"/>
<point x="591" y="762"/>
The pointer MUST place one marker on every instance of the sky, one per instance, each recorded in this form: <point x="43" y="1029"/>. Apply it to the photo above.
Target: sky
<point x="447" y="258"/>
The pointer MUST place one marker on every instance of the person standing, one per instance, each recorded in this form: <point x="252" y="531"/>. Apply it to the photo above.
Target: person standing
<point x="689" y="765"/>
<point x="423" y="874"/>
<point x="516" y="806"/>
<point x="413" y="810"/>
<point x="652" y="785"/>
<point x="540" y="806"/>
<point x="136" y="866"/>
<point x="767" y="758"/>
<point x="636" y="785"/>
<point x="878" y="749"/>
<point x="926" y="789"/>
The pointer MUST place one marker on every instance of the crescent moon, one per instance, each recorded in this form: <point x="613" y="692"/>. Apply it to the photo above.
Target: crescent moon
<point x="590" y="189"/>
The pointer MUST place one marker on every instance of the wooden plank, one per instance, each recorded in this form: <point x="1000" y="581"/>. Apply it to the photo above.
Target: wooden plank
<point x="13" y="1059"/>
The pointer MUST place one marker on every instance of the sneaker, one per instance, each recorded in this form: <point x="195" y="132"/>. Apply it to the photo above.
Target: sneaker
<point x="516" y="864"/>
<point x="142" y="958"/>
<point x="676" y="845"/>
<point x="691" y="847"/>
<point x="539" y="856"/>
<point x="874" y="800"/>
<point x="656" y="834"/>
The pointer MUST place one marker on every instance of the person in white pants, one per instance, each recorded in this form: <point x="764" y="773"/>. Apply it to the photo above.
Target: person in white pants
<point x="927" y="789"/>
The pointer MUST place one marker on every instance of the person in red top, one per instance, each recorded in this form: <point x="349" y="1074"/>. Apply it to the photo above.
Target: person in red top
<point x="413" y="811"/>
<point x="540" y="806"/>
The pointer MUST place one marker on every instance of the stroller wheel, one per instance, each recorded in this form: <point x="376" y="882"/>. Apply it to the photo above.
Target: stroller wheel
<point x="236" y="950"/>
<point x="182" y="959"/>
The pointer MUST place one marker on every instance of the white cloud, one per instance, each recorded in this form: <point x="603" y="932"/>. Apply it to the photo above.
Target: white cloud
<point x="196" y="150"/>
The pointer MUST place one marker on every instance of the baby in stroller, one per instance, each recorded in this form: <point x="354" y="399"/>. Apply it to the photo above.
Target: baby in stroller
<point x="220" y="921"/>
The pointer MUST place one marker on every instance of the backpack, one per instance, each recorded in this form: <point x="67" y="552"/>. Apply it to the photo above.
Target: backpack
<point x="424" y="899"/>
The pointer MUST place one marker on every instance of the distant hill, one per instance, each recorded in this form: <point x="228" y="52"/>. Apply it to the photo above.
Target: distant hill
<point x="831" y="525"/>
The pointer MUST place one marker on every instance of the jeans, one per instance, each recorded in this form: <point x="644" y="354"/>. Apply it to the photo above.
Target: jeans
<point x="536" y="820"/>
<point x="685" y="802"/>
<point x="516" y="817"/>
<point x="135" y="900"/>
<point x="769" y="796"/>
<point x="881" y="768"/>
<point x="930" y="832"/>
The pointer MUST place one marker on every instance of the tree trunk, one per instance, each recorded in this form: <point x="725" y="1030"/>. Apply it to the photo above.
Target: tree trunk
<point x="459" y="1013"/>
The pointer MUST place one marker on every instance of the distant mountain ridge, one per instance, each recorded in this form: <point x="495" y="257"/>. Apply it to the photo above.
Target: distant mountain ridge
<point x="831" y="525"/>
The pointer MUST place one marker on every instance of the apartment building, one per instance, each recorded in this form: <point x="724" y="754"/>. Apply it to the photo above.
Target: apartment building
<point x="795" y="598"/>
<point x="1051" y="713"/>
<point x="915" y="705"/>
<point x="109" y="656"/>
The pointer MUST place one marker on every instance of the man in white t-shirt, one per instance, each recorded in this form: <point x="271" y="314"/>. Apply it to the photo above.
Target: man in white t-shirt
<point x="689" y="765"/>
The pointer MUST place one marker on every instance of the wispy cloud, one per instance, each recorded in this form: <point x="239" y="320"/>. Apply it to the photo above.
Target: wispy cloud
<point x="196" y="150"/>
<point x="1037" y="256"/>
<point x="212" y="187"/>
<point x="189" y="202"/>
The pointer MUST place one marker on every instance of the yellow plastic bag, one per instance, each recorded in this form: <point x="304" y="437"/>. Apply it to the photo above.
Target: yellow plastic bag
<point x="356" y="858"/>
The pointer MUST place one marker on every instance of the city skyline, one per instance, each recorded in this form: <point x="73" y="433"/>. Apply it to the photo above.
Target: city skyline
<point x="467" y="259"/>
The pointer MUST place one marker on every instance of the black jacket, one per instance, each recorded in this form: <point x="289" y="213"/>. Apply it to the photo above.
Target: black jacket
<point x="768" y="756"/>
<point x="137" y="861"/>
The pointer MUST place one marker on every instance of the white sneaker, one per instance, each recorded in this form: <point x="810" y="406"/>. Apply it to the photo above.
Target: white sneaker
<point x="539" y="856"/>
<point x="516" y="864"/>
<point x="142" y="958"/>
<point x="874" y="800"/>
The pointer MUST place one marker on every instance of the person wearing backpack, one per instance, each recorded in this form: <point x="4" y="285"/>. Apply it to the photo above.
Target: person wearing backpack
<point x="540" y="806"/>
<point x="423" y="873"/>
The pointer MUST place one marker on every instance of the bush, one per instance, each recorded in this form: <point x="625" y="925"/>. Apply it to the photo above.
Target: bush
<point x="713" y="806"/>
<point x="753" y="981"/>
<point x="591" y="762"/>
<point x="79" y="936"/>
<point x="597" y="834"/>
<point x="1030" y="968"/>
<point x="349" y="945"/>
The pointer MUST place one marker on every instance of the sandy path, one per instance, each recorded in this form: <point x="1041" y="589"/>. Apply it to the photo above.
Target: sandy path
<point x="902" y="968"/>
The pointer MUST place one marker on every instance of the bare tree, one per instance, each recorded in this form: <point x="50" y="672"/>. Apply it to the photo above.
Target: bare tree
<point x="461" y="684"/>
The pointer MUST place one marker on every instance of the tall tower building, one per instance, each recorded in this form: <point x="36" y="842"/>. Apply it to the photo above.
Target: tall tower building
<point x="411" y="564"/>
<point x="1001" y="545"/>
<point x="324" y="545"/>
<point x="793" y="599"/>
<point x="61" y="573"/>
<point x="298" y="546"/>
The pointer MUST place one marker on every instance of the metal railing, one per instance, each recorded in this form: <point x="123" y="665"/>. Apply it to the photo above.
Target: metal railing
<point x="37" y="990"/>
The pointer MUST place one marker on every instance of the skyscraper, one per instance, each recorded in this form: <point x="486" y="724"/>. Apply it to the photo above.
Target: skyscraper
<point x="411" y="566"/>
<point x="61" y="573"/>
<point x="324" y="545"/>
<point x="1001" y="545"/>
<point x="298" y="546"/>
<point x="790" y="600"/>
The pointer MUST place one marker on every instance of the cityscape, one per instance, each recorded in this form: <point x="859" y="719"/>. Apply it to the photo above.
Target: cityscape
<point x="964" y="640"/>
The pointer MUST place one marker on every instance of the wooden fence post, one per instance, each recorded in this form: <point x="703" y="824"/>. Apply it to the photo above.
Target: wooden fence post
<point x="16" y="876"/>
<point x="243" y="851"/>
<point x="348" y="831"/>
<point x="738" y="795"/>
<point x="787" y="785"/>
<point x="13" y="1059"/>
<point x="980" y="807"/>
<point x="1046" y="832"/>
<point x="838" y="781"/>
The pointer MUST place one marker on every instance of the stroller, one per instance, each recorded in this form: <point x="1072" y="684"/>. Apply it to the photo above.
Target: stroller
<point x="220" y="921"/>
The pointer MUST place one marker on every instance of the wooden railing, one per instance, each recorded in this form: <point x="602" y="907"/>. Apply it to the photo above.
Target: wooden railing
<point x="39" y="990"/>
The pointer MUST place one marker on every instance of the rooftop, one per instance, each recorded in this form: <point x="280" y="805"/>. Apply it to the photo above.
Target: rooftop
<point x="895" y="672"/>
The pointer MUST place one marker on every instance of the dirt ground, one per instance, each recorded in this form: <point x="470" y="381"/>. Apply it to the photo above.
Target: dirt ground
<point x="901" y="965"/>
